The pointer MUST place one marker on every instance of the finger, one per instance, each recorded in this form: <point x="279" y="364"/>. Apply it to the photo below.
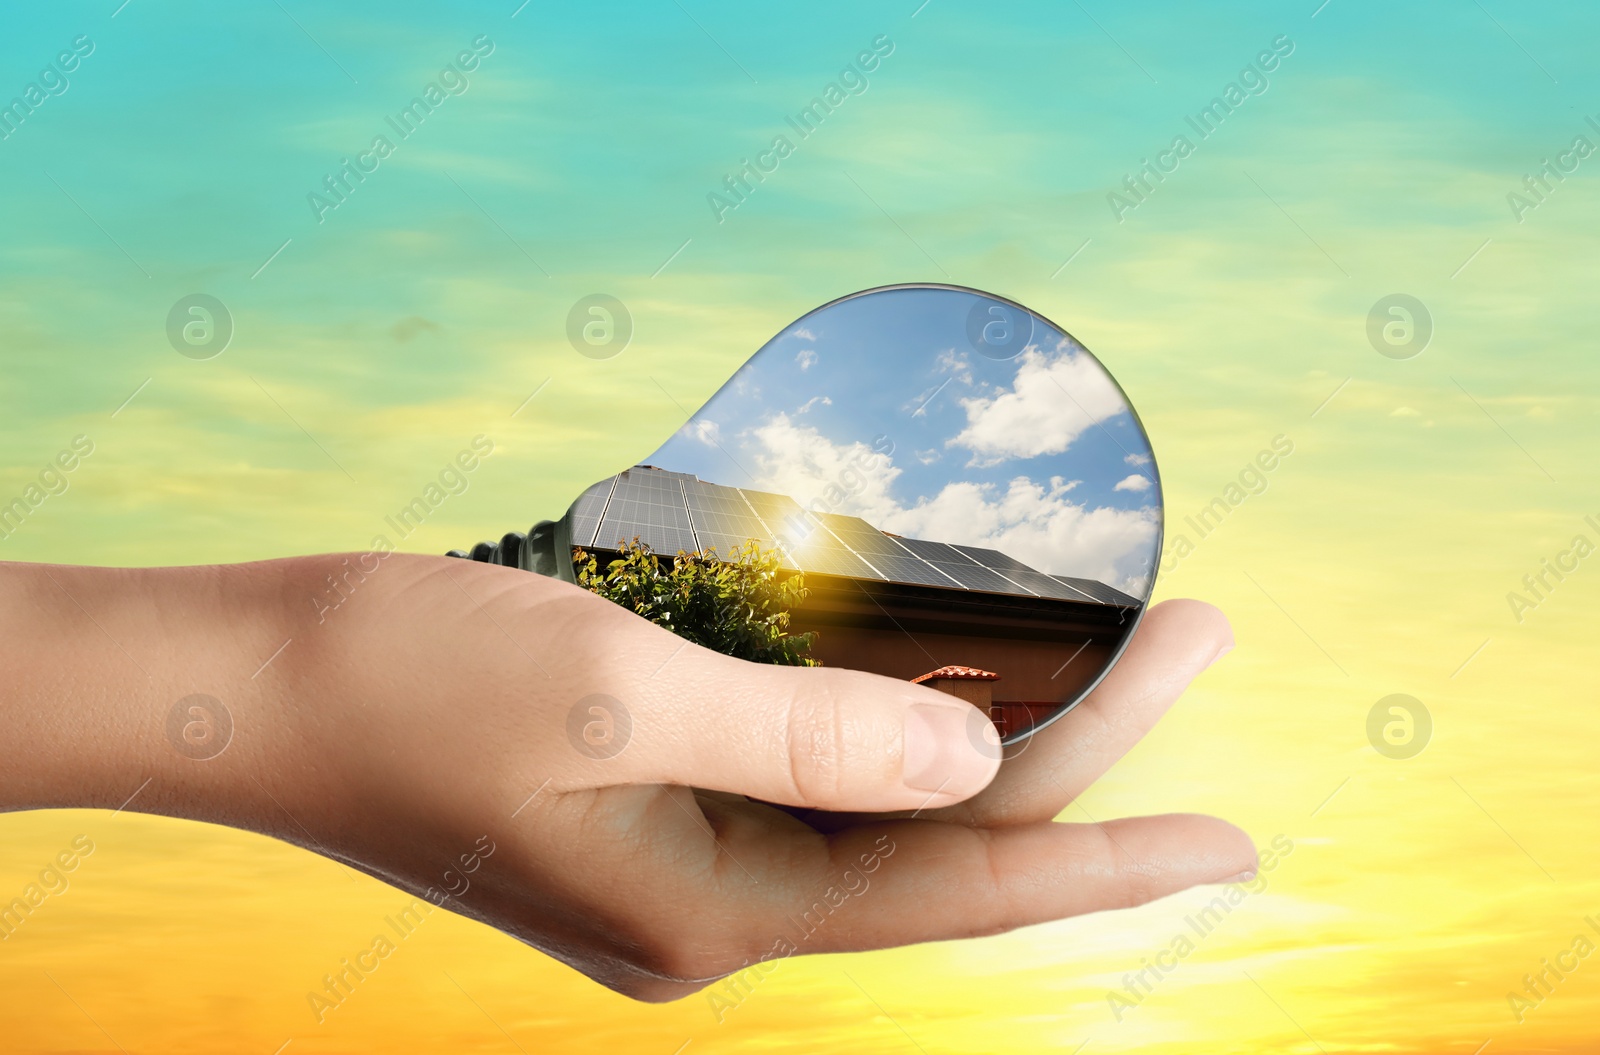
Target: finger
<point x="810" y="737"/>
<point x="1044" y="773"/>
<point x="1175" y="642"/>
<point x="640" y="705"/>
<point x="776" y="894"/>
<point x="822" y="738"/>
<point x="692" y="888"/>
<point x="938" y="882"/>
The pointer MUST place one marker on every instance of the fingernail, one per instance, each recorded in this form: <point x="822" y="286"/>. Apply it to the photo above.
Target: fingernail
<point x="1242" y="877"/>
<point x="1223" y="651"/>
<point x="938" y="754"/>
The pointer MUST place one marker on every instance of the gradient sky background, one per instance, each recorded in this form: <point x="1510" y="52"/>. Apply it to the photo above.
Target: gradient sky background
<point x="1232" y="306"/>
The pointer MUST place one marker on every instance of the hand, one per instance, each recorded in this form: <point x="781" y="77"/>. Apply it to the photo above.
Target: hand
<point x="424" y="732"/>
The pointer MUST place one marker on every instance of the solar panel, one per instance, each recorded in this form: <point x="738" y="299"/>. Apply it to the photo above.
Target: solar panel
<point x="912" y="570"/>
<point x="977" y="577"/>
<point x="766" y="504"/>
<point x="1043" y="585"/>
<point x="993" y="558"/>
<point x="894" y="561"/>
<point x="728" y="524"/>
<point x="941" y="552"/>
<point x="712" y="497"/>
<point x="647" y="507"/>
<point x="866" y="549"/>
<point x="1098" y="590"/>
<point x="824" y="554"/>
<point x="1077" y="593"/>
<point x="786" y="521"/>
<point x="706" y="488"/>
<point x="861" y="536"/>
<point x="796" y="529"/>
<point x="722" y="519"/>
<point x="586" y="512"/>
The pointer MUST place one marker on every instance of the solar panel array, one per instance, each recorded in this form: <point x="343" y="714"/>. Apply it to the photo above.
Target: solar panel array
<point x="676" y="511"/>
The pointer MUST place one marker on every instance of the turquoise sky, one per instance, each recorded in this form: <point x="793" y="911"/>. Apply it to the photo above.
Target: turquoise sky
<point x="580" y="158"/>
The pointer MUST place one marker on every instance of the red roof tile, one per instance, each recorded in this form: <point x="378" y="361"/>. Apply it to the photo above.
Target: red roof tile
<point x="968" y="673"/>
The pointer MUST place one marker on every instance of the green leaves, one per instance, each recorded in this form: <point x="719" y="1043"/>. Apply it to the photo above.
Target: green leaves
<point x="738" y="605"/>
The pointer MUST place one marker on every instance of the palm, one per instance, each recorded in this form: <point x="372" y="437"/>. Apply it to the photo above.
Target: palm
<point x="762" y="881"/>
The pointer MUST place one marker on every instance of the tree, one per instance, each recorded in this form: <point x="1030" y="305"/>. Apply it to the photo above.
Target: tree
<point x="738" y="605"/>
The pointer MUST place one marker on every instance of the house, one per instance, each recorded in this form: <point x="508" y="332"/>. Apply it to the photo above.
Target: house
<point x="977" y="688"/>
<point x="908" y="608"/>
<point x="881" y="602"/>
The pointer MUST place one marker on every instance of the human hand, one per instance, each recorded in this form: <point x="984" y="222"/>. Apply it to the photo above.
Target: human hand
<point x="430" y="718"/>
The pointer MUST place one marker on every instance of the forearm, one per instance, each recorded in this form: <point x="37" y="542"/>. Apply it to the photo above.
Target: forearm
<point x="95" y="661"/>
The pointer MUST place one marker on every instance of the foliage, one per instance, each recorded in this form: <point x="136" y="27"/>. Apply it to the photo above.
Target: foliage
<point x="738" y="605"/>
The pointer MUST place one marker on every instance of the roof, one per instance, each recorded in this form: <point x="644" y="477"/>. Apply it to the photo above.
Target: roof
<point x="958" y="674"/>
<point x="672" y="511"/>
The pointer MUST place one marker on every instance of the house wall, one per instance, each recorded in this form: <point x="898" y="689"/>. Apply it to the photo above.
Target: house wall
<point x="1025" y="667"/>
<point x="975" y="691"/>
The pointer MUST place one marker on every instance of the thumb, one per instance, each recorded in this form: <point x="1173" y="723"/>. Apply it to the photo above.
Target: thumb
<point x="824" y="738"/>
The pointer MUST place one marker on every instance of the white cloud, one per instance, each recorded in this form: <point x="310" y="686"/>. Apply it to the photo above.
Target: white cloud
<point x="1134" y="482"/>
<point x="1137" y="459"/>
<point x="802" y="333"/>
<point x="798" y="461"/>
<point x="705" y="430"/>
<point x="806" y="358"/>
<point x="956" y="365"/>
<point x="1052" y="401"/>
<point x="744" y="382"/>
<point x="1035" y="523"/>
<point x="1039" y="526"/>
<point x="957" y="370"/>
<point x="927" y="457"/>
<point x="813" y="401"/>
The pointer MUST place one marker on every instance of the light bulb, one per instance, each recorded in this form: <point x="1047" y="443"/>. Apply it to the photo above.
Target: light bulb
<point x="965" y="493"/>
